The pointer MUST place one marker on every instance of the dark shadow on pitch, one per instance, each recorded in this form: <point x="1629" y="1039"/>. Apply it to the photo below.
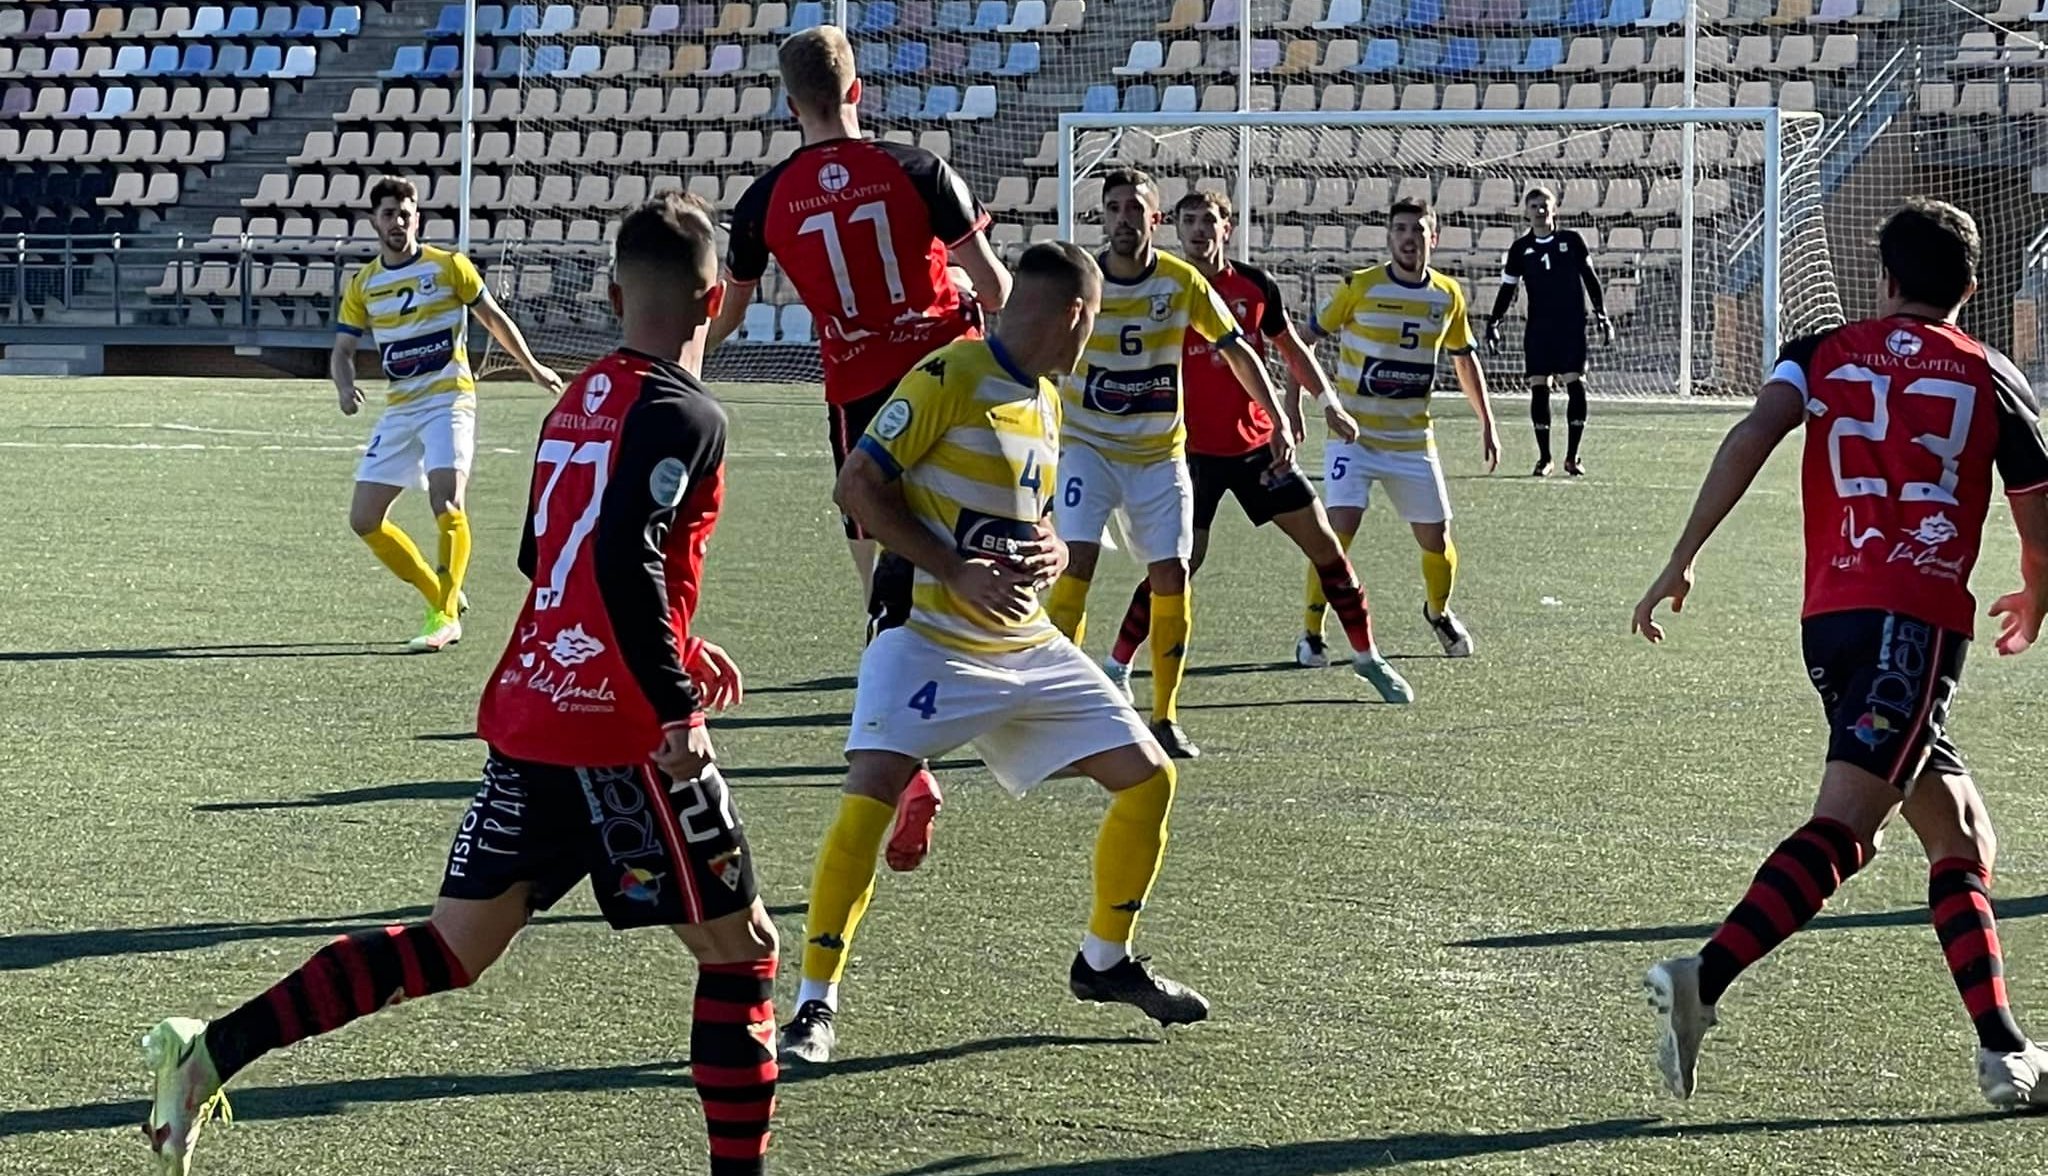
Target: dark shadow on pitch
<point x="813" y="686"/>
<point x="1224" y="669"/>
<point x="446" y="737"/>
<point x="333" y="1098"/>
<point x="820" y="719"/>
<point x="39" y="949"/>
<point x="2007" y="910"/>
<point x="1268" y="703"/>
<point x="1326" y="1157"/>
<point x="413" y="790"/>
<point x="192" y="652"/>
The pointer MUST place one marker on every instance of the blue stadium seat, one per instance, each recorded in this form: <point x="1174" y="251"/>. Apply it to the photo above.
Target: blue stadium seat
<point x="521" y="18"/>
<point x="264" y="60"/>
<point x="955" y="15"/>
<point x="16" y="101"/>
<point x="276" y="22"/>
<point x="1664" y="13"/>
<point x="1461" y="55"/>
<point x="163" y="61"/>
<point x="1623" y="13"/>
<point x="940" y="101"/>
<point x="879" y="16"/>
<point x="1385" y="14"/>
<point x="198" y="62"/>
<point x="84" y="103"/>
<point x="1545" y="54"/>
<point x="241" y="22"/>
<point x="1381" y="55"/>
<point x="1582" y="13"/>
<point x="77" y="22"/>
<point x="450" y="24"/>
<point x="233" y="61"/>
<point x="547" y="59"/>
<point x="1342" y="14"/>
<point x="903" y="102"/>
<point x="852" y="13"/>
<point x="584" y="60"/>
<point x="912" y="57"/>
<point x="300" y="61"/>
<point x="1141" y="100"/>
<point x="409" y="62"/>
<point x="725" y="60"/>
<point x="344" y="21"/>
<point x="558" y="19"/>
<point x="759" y="324"/>
<point x="117" y="102"/>
<point x="206" y="22"/>
<point x="129" y="59"/>
<point x="806" y="14"/>
<point x="1422" y="54"/>
<point x="1023" y="60"/>
<point x="1178" y="100"/>
<point x="510" y="63"/>
<point x="309" y="21"/>
<point x="1423" y="14"/>
<point x="991" y="15"/>
<point x="490" y="20"/>
<point x="979" y="102"/>
<point x="1542" y="12"/>
<point x="871" y="58"/>
<point x="797" y="324"/>
<point x="1100" y="99"/>
<point x="1502" y="54"/>
<point x="984" y="57"/>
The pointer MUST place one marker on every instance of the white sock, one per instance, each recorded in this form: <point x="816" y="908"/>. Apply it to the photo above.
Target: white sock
<point x="1101" y="954"/>
<point x="823" y="990"/>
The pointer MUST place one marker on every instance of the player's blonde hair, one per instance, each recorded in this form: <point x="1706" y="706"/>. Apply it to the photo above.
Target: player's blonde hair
<point x="817" y="68"/>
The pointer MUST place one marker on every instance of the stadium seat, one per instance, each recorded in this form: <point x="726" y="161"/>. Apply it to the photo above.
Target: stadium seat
<point x="556" y="20"/>
<point x="410" y="61"/>
<point x="1342" y="14"/>
<point x="1666" y="13"/>
<point x="164" y="61"/>
<point x="1837" y="53"/>
<point x="759" y="324"/>
<point x="1179" y="100"/>
<point x="1423" y="14"/>
<point x="1583" y="54"/>
<point x="1385" y="14"/>
<point x="1626" y="55"/>
<point x="300" y="61"/>
<point x="197" y="61"/>
<point x="1460" y="54"/>
<point x="905" y="102"/>
<point x="1100" y="98"/>
<point x="207" y="21"/>
<point x="1382" y="55"/>
<point x="1029" y="17"/>
<point x="1545" y="55"/>
<point x="1146" y="57"/>
<point x="521" y="19"/>
<point x="805" y="15"/>
<point x="877" y="17"/>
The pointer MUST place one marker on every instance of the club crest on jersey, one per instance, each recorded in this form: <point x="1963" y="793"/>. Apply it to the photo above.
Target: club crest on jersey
<point x="833" y="177"/>
<point x="572" y="647"/>
<point x="426" y="283"/>
<point x="726" y="868"/>
<point x="1162" y="307"/>
<point x="1903" y="343"/>
<point x="669" y="481"/>
<point x="595" y="389"/>
<point x="892" y="420"/>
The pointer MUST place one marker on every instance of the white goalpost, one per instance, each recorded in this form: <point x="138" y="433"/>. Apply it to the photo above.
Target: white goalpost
<point x="1705" y="223"/>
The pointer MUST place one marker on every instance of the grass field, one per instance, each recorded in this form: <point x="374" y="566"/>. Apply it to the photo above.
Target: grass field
<point x="1422" y="928"/>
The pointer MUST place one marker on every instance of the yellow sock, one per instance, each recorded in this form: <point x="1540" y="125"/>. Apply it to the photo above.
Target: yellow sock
<point x="1128" y="851"/>
<point x="1439" y="574"/>
<point x="1171" y="622"/>
<point x="842" y="884"/>
<point x="1067" y="605"/>
<point x="454" y="526"/>
<point x="394" y="549"/>
<point x="1318" y="604"/>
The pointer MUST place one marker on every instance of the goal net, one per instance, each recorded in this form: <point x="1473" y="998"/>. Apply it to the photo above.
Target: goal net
<point x="1699" y="289"/>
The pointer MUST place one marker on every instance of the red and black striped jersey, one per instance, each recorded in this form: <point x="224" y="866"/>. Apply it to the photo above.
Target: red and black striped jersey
<point x="862" y="228"/>
<point x="1223" y="419"/>
<point x="628" y="479"/>
<point x="1905" y="420"/>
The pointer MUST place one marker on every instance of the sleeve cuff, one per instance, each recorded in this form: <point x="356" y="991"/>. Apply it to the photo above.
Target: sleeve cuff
<point x="1791" y="373"/>
<point x="696" y="719"/>
<point x="882" y="456"/>
<point x="1229" y="337"/>
<point x="2023" y="491"/>
<point x="1510" y="280"/>
<point x="345" y="329"/>
<point x="981" y="225"/>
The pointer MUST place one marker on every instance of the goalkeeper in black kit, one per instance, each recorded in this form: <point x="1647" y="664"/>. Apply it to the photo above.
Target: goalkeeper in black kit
<point x="1556" y="267"/>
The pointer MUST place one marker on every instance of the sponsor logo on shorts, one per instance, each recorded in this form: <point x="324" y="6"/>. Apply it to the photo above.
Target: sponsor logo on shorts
<point x="640" y="885"/>
<point x="572" y="646"/>
<point x="425" y="355"/>
<point x="1902" y="668"/>
<point x="625" y="827"/>
<point x="1872" y="729"/>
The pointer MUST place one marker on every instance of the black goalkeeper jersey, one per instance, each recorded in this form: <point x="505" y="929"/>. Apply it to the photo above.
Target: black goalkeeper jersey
<point x="1558" y="272"/>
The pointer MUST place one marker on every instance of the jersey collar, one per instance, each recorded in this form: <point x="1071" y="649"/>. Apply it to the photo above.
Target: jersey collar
<point x="1102" y="262"/>
<point x="1009" y="366"/>
<point x="418" y="251"/>
<point x="1427" y="274"/>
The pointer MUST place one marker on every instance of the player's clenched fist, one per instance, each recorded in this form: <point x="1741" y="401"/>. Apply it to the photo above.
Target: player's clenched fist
<point x="1043" y="557"/>
<point x="351" y="399"/>
<point x="997" y="589"/>
<point x="685" y="751"/>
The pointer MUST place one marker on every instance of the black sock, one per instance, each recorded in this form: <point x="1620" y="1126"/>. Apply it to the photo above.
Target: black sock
<point x="1574" y="417"/>
<point x="1539" y="415"/>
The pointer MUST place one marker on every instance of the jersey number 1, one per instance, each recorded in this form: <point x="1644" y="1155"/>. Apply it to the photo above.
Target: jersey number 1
<point x="827" y="228"/>
<point x="561" y="455"/>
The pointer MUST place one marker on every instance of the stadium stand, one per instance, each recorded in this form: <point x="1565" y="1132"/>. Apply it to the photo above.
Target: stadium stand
<point x="228" y="145"/>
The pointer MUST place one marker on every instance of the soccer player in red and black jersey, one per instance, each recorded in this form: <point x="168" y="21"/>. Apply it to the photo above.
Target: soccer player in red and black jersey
<point x="1228" y="434"/>
<point x="865" y="231"/>
<point x="1906" y="417"/>
<point x="600" y="765"/>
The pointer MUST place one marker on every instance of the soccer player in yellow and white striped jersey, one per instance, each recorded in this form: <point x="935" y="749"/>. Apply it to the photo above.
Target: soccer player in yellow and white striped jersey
<point x="415" y="301"/>
<point x="1391" y="321"/>
<point x="954" y="475"/>
<point x="1123" y="443"/>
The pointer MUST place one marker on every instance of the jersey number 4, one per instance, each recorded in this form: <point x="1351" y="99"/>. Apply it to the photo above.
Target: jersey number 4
<point x="1948" y="447"/>
<point x="827" y="227"/>
<point x="560" y="456"/>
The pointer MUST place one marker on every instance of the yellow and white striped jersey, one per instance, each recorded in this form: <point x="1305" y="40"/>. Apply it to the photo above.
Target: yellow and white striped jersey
<point x="976" y="443"/>
<point x="418" y="312"/>
<point x="1389" y="333"/>
<point x="1125" y="400"/>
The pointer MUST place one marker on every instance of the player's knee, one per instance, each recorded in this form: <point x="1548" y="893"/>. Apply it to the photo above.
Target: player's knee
<point x="1949" y="816"/>
<point x="364" y="521"/>
<point x="739" y="938"/>
<point x="1169" y="577"/>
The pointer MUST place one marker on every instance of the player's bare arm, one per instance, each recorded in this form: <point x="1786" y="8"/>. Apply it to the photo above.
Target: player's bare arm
<point x="990" y="276"/>
<point x="341" y="368"/>
<point x="1309" y="375"/>
<point x="1251" y="372"/>
<point x="508" y="335"/>
<point x="1472" y="382"/>
<point x="875" y="500"/>
<point x="1779" y="409"/>
<point x="2020" y="612"/>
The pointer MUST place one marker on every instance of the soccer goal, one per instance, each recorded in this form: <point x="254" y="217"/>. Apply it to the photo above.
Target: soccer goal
<point x="1705" y="225"/>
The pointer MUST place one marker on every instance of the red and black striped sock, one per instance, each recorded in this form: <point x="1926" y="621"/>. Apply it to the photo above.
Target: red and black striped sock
<point x="1136" y="627"/>
<point x="1799" y="876"/>
<point x="1959" y="892"/>
<point x="732" y="1061"/>
<point x="1342" y="590"/>
<point x="351" y="977"/>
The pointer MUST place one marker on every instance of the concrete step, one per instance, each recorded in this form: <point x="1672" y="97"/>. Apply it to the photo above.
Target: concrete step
<point x="53" y="359"/>
<point x="38" y="367"/>
<point x="77" y="351"/>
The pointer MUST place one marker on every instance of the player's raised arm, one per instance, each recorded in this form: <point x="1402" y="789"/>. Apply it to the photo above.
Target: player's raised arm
<point x="503" y="329"/>
<point x="990" y="276"/>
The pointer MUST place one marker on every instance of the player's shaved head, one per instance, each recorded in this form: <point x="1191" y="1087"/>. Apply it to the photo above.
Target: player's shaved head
<point x="1060" y="271"/>
<point x="1051" y="312"/>
<point x="1930" y="250"/>
<point x="817" y="69"/>
<point x="665" y="286"/>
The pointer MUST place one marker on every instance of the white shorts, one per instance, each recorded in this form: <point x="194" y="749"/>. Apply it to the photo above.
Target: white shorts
<point x="1157" y="500"/>
<point x="1029" y="713"/>
<point x="1412" y="478"/>
<point x="409" y="440"/>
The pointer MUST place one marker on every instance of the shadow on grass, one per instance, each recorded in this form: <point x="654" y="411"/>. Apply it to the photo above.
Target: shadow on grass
<point x="39" y="949"/>
<point x="1331" y="1156"/>
<point x="189" y="652"/>
<point x="2007" y="910"/>
<point x="333" y="1098"/>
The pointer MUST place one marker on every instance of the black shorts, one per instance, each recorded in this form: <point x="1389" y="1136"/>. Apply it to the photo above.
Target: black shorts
<point x="1886" y="681"/>
<point x="1554" y="349"/>
<point x="658" y="853"/>
<point x="1264" y="494"/>
<point x="847" y="422"/>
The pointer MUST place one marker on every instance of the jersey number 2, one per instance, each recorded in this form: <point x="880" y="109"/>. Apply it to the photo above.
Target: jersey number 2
<point x="827" y="229"/>
<point x="561" y="455"/>
<point x="1948" y="447"/>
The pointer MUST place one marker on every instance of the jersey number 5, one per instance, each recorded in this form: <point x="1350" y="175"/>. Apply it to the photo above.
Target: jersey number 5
<point x="1948" y="447"/>
<point x="561" y="455"/>
<point x="827" y="229"/>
